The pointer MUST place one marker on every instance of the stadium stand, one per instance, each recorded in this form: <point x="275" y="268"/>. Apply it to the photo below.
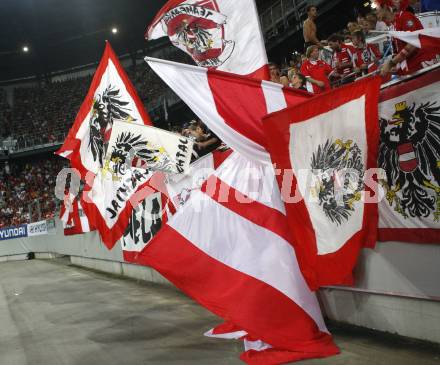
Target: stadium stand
<point x="27" y="190"/>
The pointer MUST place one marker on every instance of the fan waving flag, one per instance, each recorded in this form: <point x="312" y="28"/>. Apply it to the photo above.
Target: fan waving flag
<point x="231" y="106"/>
<point x="324" y="148"/>
<point x="409" y="153"/>
<point x="231" y="252"/>
<point x="427" y="39"/>
<point x="111" y="97"/>
<point x="221" y="34"/>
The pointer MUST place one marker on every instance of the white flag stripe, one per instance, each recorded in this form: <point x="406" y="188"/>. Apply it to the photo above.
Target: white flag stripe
<point x="227" y="336"/>
<point x="407" y="156"/>
<point x="257" y="345"/>
<point x="250" y="249"/>
<point x="182" y="78"/>
<point x="253" y="179"/>
<point x="274" y="95"/>
<point x="65" y="154"/>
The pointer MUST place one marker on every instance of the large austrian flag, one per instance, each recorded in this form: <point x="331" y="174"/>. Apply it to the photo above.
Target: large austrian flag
<point x="324" y="148"/>
<point x="231" y="106"/>
<point x="409" y="153"/>
<point x="229" y="248"/>
<point x="221" y="34"/>
<point x="111" y="97"/>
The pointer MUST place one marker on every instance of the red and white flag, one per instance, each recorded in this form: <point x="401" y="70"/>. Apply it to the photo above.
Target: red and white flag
<point x="220" y="34"/>
<point x="427" y="39"/>
<point x="111" y="97"/>
<point x="73" y="217"/>
<point x="231" y="252"/>
<point x="231" y="106"/>
<point x="409" y="154"/>
<point x="324" y="148"/>
<point x="111" y="192"/>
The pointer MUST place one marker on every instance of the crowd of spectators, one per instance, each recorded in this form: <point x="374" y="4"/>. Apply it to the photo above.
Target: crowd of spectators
<point x="5" y="115"/>
<point x="345" y="56"/>
<point x="49" y="108"/>
<point x="28" y="188"/>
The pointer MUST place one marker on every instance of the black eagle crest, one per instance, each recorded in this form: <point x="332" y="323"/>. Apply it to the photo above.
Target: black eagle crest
<point x="107" y="107"/>
<point x="409" y="152"/>
<point x="331" y="159"/>
<point x="127" y="146"/>
<point x="194" y="37"/>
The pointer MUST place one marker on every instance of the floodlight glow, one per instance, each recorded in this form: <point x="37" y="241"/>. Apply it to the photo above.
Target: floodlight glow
<point x="25" y="49"/>
<point x="114" y="30"/>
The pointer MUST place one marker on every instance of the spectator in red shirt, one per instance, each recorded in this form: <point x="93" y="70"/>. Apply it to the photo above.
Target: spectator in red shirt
<point x="316" y="71"/>
<point x="366" y="56"/>
<point x="409" y="57"/>
<point x="342" y="57"/>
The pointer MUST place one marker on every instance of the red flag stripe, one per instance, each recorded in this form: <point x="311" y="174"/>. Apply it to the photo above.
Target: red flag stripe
<point x="252" y="210"/>
<point x="227" y="291"/>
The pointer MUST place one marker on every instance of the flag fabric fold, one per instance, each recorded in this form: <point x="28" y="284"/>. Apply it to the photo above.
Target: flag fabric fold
<point x="324" y="148"/>
<point x="231" y="255"/>
<point x="215" y="34"/>
<point x="427" y="39"/>
<point x="226" y="330"/>
<point x="231" y="106"/>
